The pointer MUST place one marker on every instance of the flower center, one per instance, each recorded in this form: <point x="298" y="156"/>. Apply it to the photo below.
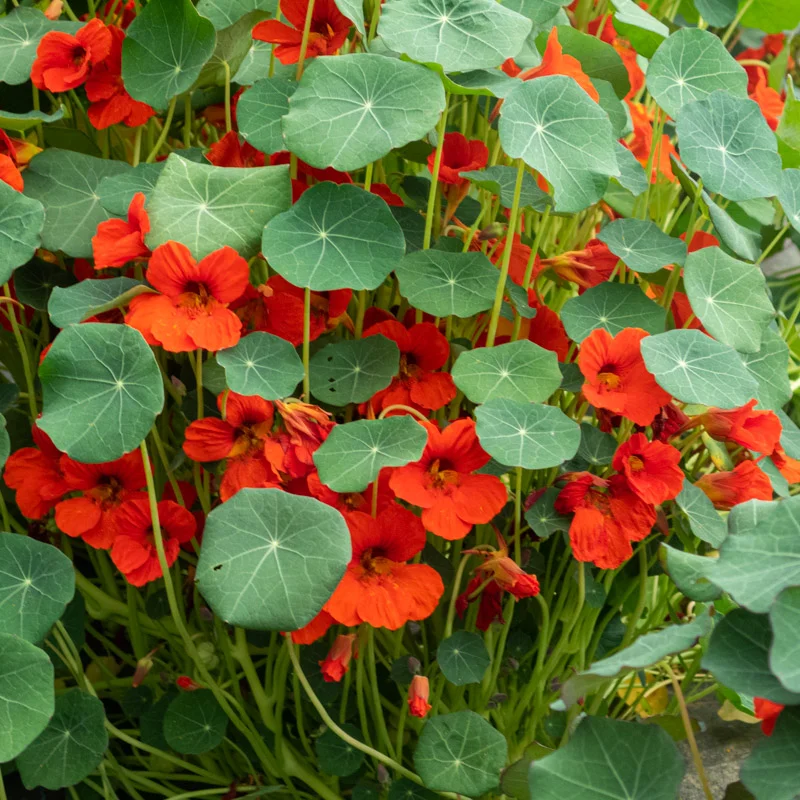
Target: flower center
<point x="373" y="563"/>
<point x="635" y="463"/>
<point x="408" y="369"/>
<point x="108" y="489"/>
<point x="442" y="474"/>
<point x="78" y="56"/>
<point x="608" y="378"/>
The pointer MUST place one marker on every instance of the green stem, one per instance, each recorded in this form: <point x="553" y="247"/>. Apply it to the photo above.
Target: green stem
<point x="304" y="41"/>
<point x="23" y="354"/>
<point x="451" y="608"/>
<point x="383" y="733"/>
<point x="431" y="209"/>
<point x="162" y="137"/>
<point x="228" y="117"/>
<point x="630" y="632"/>
<point x="306" y="342"/>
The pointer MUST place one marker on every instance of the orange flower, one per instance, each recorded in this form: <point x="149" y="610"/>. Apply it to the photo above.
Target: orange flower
<point x="110" y="102"/>
<point x="418" y="692"/>
<point x="104" y="488"/>
<point x="616" y="377"/>
<point x="230" y="151"/>
<point x="588" y="267"/>
<point x="192" y="310"/>
<point x="505" y="572"/>
<point x="14" y="155"/>
<point x="306" y="427"/>
<point x="63" y="61"/>
<point x="35" y="473"/>
<point x="345" y="502"/>
<point x="788" y="467"/>
<point x="768" y="100"/>
<point x="117" y="242"/>
<point x="314" y="630"/>
<point x="701" y="240"/>
<point x="442" y="483"/>
<point x="329" y="29"/>
<point x="379" y="588"/>
<point x="608" y="516"/>
<point x="757" y="430"/>
<point x="459" y="154"/>
<point x="423" y="349"/>
<point x="239" y="438"/>
<point x="651" y="468"/>
<point x="337" y="662"/>
<point x="728" y="489"/>
<point x="768" y="712"/>
<point x="134" y="551"/>
<point x="641" y="144"/>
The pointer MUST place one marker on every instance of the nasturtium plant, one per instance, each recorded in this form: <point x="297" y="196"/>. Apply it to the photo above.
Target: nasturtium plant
<point x="463" y="658"/>
<point x="23" y="220"/>
<point x="642" y="245"/>
<point x="194" y="722"/>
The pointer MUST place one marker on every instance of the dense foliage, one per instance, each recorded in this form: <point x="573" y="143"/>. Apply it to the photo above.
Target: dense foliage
<point x="394" y="402"/>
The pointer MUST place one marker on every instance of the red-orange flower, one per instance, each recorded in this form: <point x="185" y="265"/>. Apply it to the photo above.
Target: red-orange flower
<point x="35" y="473"/>
<point x="119" y="241"/>
<point x="443" y="485"/>
<point x="239" y="437"/>
<point x="418" y="693"/>
<point x="641" y="144"/>
<point x="345" y="502"/>
<point x="651" y="468"/>
<point x="110" y="102"/>
<point x="497" y="566"/>
<point x="104" y="488"/>
<point x="616" y="377"/>
<point x="459" y="154"/>
<point x="788" y="467"/>
<point x="768" y="100"/>
<point x="231" y="151"/>
<point x="63" y="61"/>
<point x="768" y="712"/>
<point x="490" y="605"/>
<point x="337" y="662"/>
<point x="588" y="267"/>
<point x="314" y="630"/>
<point x="192" y="310"/>
<point x="14" y="156"/>
<point x="727" y="489"/>
<point x="758" y="430"/>
<point x="423" y="349"/>
<point x="329" y="29"/>
<point x="306" y="427"/>
<point x="134" y="551"/>
<point x="379" y="588"/>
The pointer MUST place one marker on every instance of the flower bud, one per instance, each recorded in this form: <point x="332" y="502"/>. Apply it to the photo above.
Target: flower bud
<point x="337" y="662"/>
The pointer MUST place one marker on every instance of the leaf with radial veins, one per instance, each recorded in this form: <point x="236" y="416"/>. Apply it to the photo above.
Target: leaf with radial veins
<point x="270" y="559"/>
<point x="704" y="519"/>
<point x="607" y="759"/>
<point x="195" y="723"/>
<point x="770" y="771"/>
<point x="692" y="574"/>
<point x="262" y="364"/>
<point x="354" y="453"/>
<point x="207" y="207"/>
<point x="21" y="223"/>
<point x="556" y="128"/>
<point x="458" y="35"/>
<point x="259" y="112"/>
<point x="66" y="184"/>
<point x="20" y="33"/>
<point x="70" y="305"/>
<point x="102" y="391"/>
<point x="614" y="307"/>
<point x="769" y="366"/>
<point x="117" y="191"/>
<point x="442" y="283"/>
<point x="729" y="298"/>
<point x="463" y="658"/>
<point x="351" y="371"/>
<point x="689" y="66"/>
<point x="694" y="368"/>
<point x="784" y="657"/>
<point x="526" y="435"/>
<point x="164" y="50"/>
<point x="727" y="141"/>
<point x="351" y="110"/>
<point x="501" y="181"/>
<point x="36" y="583"/>
<point x="26" y="694"/>
<point x="70" y="748"/>
<point x="642" y="245"/>
<point x="335" y="237"/>
<point x="520" y="371"/>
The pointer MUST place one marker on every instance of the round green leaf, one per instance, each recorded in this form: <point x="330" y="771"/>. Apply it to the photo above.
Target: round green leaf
<point x="72" y="304"/>
<point x="354" y="453"/>
<point x="195" y="722"/>
<point x="336" y="756"/>
<point x="689" y="66"/>
<point x="613" y="306"/>
<point x="690" y="573"/>
<point x="102" y="391"/>
<point x="353" y="109"/>
<point x="771" y="770"/>
<point x="769" y="366"/>
<point x="26" y="120"/>
<point x="36" y="583"/>
<point x="501" y="181"/>
<point x="696" y="369"/>
<point x="259" y="112"/>
<point x="738" y="655"/>
<point x="729" y="298"/>
<point x="26" y="694"/>
<point x="207" y="207"/>
<point x="70" y="748"/>
<point x="404" y="789"/>
<point x="727" y="141"/>
<point x="351" y="371"/>
<point x="784" y="657"/>
<point x="704" y="519"/>
<point x="224" y="13"/>
<point x="21" y="223"/>
<point x="642" y="245"/>
<point x="442" y="283"/>
<point x="543" y="518"/>
<point x="526" y="434"/>
<point x="463" y="658"/>
<point x="270" y="560"/>
<point x="65" y="183"/>
<point x="596" y="447"/>
<point x="460" y="753"/>
<point x="35" y="281"/>
<point x="607" y="759"/>
<point x="520" y="371"/>
<point x="335" y="237"/>
<point x="557" y="129"/>
<point x="164" y="50"/>
<point x="117" y="191"/>
<point x="458" y="35"/>
<point x="262" y="364"/>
